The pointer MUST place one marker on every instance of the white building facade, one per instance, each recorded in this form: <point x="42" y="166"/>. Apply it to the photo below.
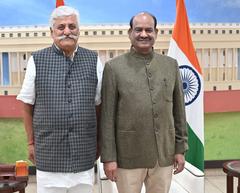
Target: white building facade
<point x="217" y="46"/>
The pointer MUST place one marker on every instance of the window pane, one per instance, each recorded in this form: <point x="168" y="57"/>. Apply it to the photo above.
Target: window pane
<point x="14" y="68"/>
<point x="5" y="58"/>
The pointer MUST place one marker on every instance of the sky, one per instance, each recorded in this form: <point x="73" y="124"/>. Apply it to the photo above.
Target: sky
<point x="37" y="12"/>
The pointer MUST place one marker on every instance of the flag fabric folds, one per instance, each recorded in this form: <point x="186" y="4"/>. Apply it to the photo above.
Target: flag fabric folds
<point x="59" y="3"/>
<point x="181" y="48"/>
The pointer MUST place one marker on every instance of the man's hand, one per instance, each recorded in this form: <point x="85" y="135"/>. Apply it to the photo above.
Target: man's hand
<point x="179" y="163"/>
<point x="110" y="169"/>
<point x="31" y="153"/>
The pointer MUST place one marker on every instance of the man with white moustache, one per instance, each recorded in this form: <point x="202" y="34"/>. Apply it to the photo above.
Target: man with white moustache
<point x="61" y="98"/>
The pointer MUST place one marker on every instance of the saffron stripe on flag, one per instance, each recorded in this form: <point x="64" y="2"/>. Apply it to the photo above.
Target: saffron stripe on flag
<point x="182" y="36"/>
<point x="59" y="3"/>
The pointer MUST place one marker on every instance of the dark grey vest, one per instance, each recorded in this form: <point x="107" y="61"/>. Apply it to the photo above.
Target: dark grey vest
<point x="64" y="117"/>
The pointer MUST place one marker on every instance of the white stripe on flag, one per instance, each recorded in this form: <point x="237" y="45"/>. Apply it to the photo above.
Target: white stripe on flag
<point x="194" y="112"/>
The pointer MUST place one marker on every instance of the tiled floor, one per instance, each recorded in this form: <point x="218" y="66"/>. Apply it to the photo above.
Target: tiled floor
<point x="215" y="182"/>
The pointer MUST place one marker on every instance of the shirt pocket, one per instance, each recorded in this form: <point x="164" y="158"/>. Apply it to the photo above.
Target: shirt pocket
<point x="167" y="89"/>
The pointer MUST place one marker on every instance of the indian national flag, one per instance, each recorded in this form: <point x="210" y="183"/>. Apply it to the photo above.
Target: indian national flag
<point x="181" y="48"/>
<point x="59" y="3"/>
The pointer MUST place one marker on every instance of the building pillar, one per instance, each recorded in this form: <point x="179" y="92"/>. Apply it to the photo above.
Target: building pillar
<point x="233" y="64"/>
<point x="226" y="64"/>
<point x="210" y="64"/>
<point x="218" y="66"/>
<point x="19" y="70"/>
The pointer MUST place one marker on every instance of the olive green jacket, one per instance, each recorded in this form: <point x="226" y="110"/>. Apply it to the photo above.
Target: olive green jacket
<point x="143" y="113"/>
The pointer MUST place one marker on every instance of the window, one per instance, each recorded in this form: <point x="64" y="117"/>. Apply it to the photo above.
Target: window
<point x="201" y="31"/>
<point x="0" y="70"/>
<point x="208" y="77"/>
<point x="103" y="32"/>
<point x="214" y="57"/>
<point x="216" y="31"/>
<point x="237" y="31"/>
<point x="5" y="68"/>
<point x="229" y="87"/>
<point x="230" y="31"/>
<point x="94" y="32"/>
<point x="27" y="34"/>
<point x="110" y="54"/>
<point x="10" y="35"/>
<point x="120" y="32"/>
<point x="223" y="31"/>
<point x="35" y="34"/>
<point x="23" y="63"/>
<point x="19" y="35"/>
<point x="162" y="31"/>
<point x="2" y="35"/>
<point x="170" y="31"/>
<point x="214" y="88"/>
<point x="86" y="33"/>
<point x="13" y="62"/>
<point x="43" y="33"/>
<point x="209" y="31"/>
<point x="112" y="32"/>
<point x="194" y="31"/>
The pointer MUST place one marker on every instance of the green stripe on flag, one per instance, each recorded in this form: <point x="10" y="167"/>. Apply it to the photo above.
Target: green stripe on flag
<point x="195" y="153"/>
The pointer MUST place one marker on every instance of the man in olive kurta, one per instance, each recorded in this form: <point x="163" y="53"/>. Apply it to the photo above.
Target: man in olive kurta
<point x="143" y="124"/>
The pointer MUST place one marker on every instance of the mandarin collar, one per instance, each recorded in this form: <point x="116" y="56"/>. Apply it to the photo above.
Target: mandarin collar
<point x="142" y="56"/>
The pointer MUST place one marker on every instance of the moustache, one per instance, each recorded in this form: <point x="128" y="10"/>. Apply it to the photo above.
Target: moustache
<point x="144" y="39"/>
<point x="69" y="36"/>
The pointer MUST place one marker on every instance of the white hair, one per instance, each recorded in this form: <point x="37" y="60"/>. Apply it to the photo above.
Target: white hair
<point x="61" y="12"/>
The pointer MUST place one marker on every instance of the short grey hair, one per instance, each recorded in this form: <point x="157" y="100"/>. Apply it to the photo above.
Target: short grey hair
<point x="61" y="12"/>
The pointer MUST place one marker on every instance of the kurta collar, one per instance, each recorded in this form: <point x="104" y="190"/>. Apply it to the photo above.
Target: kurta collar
<point x="60" y="52"/>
